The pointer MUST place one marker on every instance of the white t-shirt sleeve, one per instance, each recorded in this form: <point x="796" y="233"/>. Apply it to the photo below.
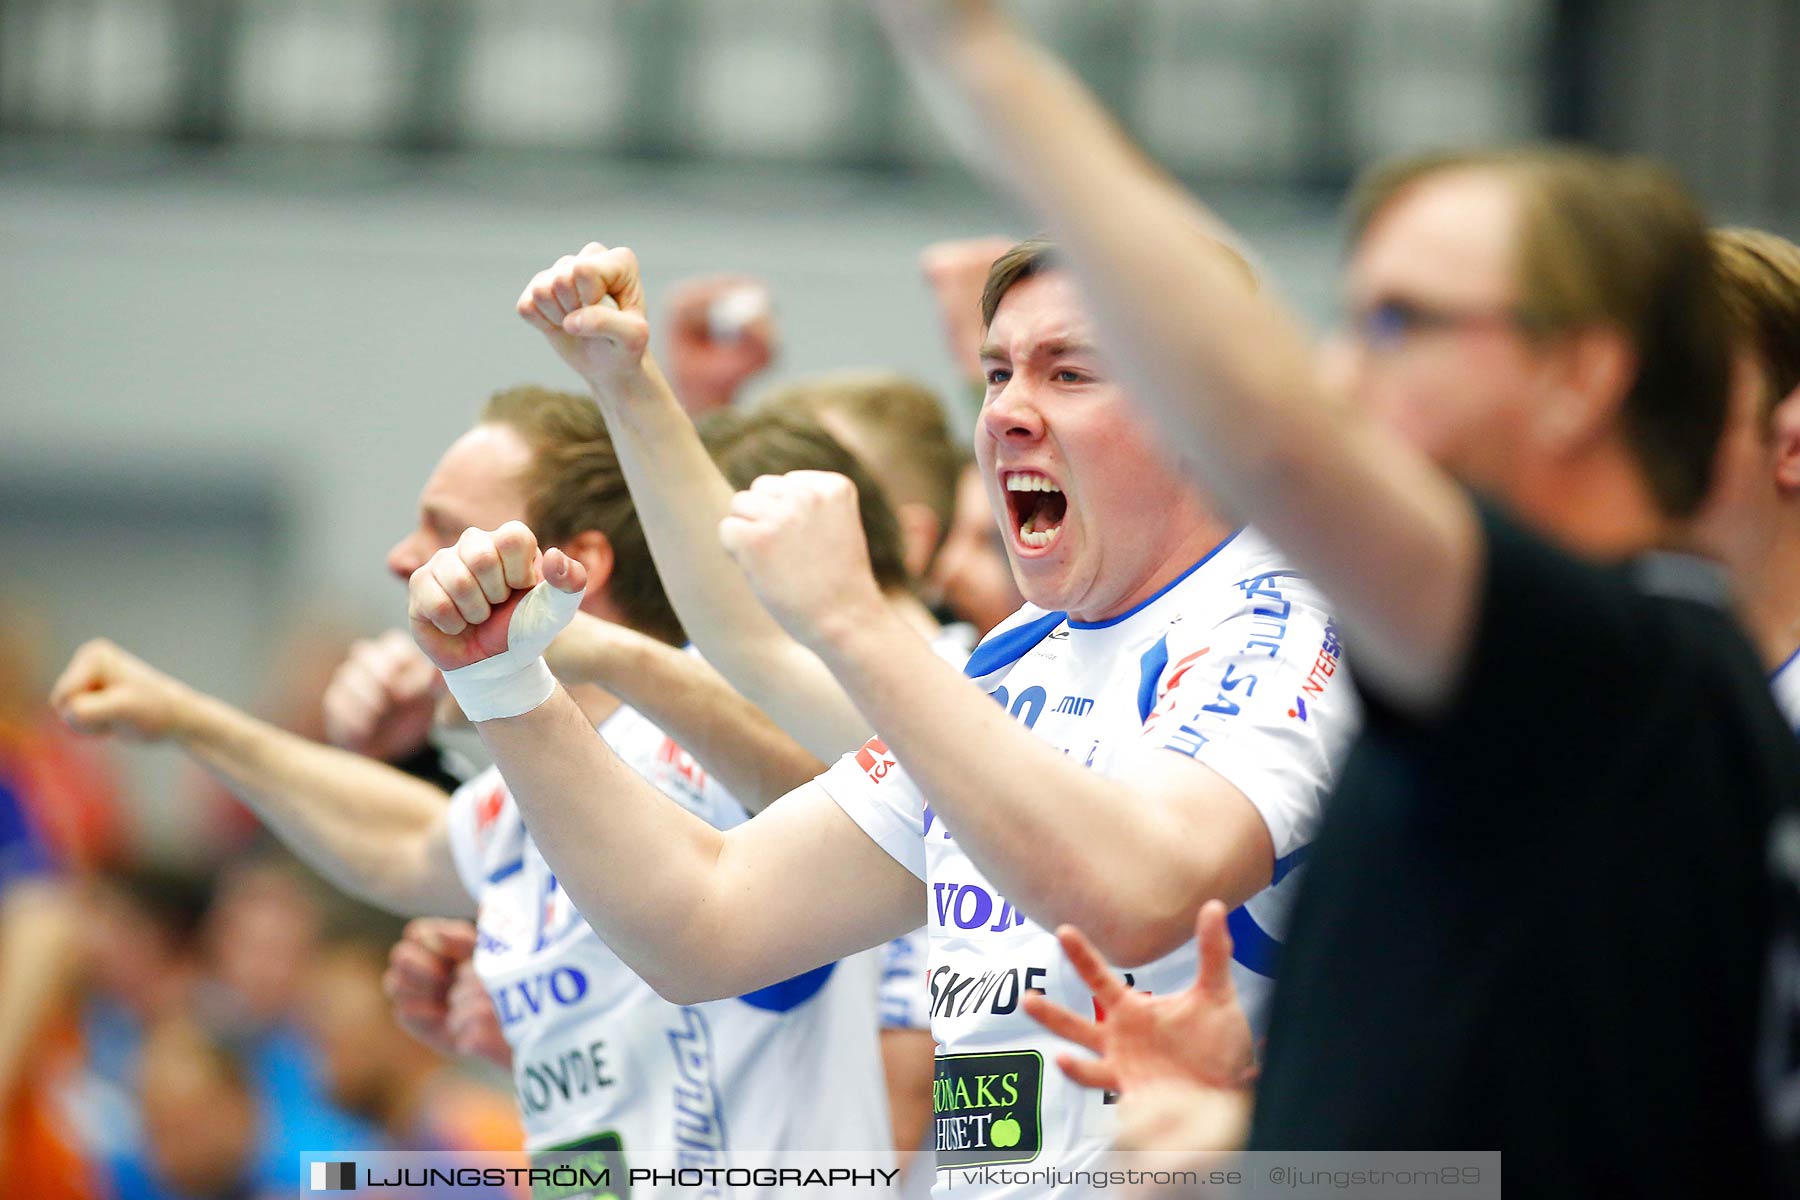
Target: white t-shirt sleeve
<point x="482" y="797"/>
<point x="873" y="788"/>
<point x="905" y="1002"/>
<point x="1263" y="699"/>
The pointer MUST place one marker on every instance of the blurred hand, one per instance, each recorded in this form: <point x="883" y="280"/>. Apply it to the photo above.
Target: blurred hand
<point x="956" y="272"/>
<point x="380" y="700"/>
<point x="590" y="308"/>
<point x="927" y="26"/>
<point x="1186" y="1126"/>
<point x="472" y="1021"/>
<point x="800" y="541"/>
<point x="105" y="690"/>
<point x="462" y="602"/>
<point x="1197" y="1036"/>
<point x="436" y="995"/>
<point x="710" y="361"/>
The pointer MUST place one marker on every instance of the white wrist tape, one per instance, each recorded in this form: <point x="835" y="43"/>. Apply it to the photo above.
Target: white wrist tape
<point x="516" y="680"/>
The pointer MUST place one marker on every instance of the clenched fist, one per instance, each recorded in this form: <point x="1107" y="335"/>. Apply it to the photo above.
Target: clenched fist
<point x="437" y="996"/>
<point x="106" y="690"/>
<point x="484" y="610"/>
<point x="590" y="307"/>
<point x="721" y="334"/>
<point x="381" y="698"/>
<point x="799" y="539"/>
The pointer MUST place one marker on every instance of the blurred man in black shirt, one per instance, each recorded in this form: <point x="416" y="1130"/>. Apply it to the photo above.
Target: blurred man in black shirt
<point x="1538" y="909"/>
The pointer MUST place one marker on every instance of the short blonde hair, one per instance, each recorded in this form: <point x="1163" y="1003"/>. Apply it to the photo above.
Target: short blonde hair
<point x="903" y="419"/>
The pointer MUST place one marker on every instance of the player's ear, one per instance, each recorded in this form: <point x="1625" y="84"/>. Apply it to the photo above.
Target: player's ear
<point x="593" y="550"/>
<point x="920" y="533"/>
<point x="1785" y="433"/>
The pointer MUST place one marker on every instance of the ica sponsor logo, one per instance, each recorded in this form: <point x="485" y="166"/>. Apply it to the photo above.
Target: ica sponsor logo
<point x="876" y="760"/>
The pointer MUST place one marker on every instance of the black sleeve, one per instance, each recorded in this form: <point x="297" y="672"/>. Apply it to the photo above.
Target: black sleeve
<point x="427" y="763"/>
<point x="1563" y="659"/>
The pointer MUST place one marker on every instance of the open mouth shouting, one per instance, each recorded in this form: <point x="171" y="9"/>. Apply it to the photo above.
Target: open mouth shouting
<point x="1037" y="508"/>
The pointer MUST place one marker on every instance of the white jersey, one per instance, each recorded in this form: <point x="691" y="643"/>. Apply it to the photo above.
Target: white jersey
<point x="603" y="1064"/>
<point x="1786" y="683"/>
<point x="1234" y="665"/>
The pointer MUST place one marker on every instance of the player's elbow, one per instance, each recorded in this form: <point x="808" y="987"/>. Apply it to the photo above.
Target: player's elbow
<point x="1138" y="925"/>
<point x="1134" y="941"/>
<point x="688" y="977"/>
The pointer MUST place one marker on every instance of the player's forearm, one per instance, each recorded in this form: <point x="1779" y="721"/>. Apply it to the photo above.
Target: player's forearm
<point x="364" y="825"/>
<point x="1225" y="372"/>
<point x="1062" y="843"/>
<point x="680" y="498"/>
<point x="908" y="1057"/>
<point x="730" y="737"/>
<point x="38" y="927"/>
<point x="638" y="866"/>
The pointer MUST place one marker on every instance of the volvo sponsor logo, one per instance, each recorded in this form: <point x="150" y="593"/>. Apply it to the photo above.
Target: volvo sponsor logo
<point x="966" y="906"/>
<point x="559" y="987"/>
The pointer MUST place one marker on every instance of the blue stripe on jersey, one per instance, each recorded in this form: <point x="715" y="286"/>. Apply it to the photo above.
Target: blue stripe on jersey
<point x="1009" y="647"/>
<point x="1251" y="945"/>
<point x="1162" y="591"/>
<point x="1290" y="862"/>
<point x="789" y="994"/>
<point x="1151" y="667"/>
<point x="508" y="871"/>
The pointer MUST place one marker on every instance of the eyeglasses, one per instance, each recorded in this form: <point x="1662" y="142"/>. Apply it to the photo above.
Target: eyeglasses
<point x="1386" y="325"/>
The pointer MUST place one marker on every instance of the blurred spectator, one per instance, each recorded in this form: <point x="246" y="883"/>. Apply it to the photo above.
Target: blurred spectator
<point x="377" y="1071"/>
<point x="64" y="783"/>
<point x="203" y="1125"/>
<point x="39" y="1150"/>
<point x="262" y="940"/>
<point x="721" y="335"/>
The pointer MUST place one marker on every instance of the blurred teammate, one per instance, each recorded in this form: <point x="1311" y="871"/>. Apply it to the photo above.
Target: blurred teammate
<point x="601" y="1064"/>
<point x="970" y="577"/>
<point x="1543" y="327"/>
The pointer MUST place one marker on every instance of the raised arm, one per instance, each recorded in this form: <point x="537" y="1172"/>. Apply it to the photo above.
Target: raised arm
<point x="373" y="830"/>
<point x="590" y="307"/>
<point x="729" y="736"/>
<point x="1224" y="370"/>
<point x="698" y="912"/>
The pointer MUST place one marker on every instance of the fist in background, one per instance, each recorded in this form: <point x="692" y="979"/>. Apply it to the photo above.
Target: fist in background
<point x="105" y="690"/>
<point x="381" y="698"/>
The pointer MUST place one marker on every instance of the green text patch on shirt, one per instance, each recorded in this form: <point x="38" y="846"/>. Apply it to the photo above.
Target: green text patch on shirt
<point x="987" y="1108"/>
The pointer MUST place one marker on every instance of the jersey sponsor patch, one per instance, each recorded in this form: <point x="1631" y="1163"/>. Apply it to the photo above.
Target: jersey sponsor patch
<point x="876" y="760"/>
<point x="987" y="1108"/>
<point x="600" y="1156"/>
<point x="1324" y="666"/>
